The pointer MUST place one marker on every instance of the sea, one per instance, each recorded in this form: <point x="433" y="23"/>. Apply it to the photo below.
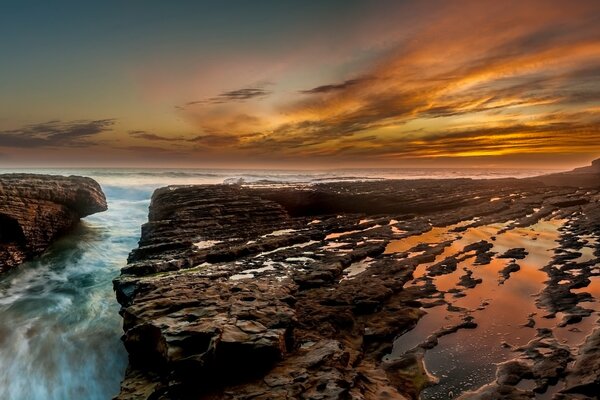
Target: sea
<point x="60" y="326"/>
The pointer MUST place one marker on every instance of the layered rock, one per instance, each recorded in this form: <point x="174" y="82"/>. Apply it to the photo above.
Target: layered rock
<point x="297" y="292"/>
<point x="36" y="209"/>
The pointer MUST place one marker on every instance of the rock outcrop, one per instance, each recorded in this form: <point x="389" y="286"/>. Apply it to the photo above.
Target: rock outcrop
<point x="579" y="177"/>
<point x="299" y="292"/>
<point x="36" y="209"/>
<point x="591" y="169"/>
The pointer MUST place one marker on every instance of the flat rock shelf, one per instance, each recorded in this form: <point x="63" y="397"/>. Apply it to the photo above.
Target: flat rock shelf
<point x="366" y="290"/>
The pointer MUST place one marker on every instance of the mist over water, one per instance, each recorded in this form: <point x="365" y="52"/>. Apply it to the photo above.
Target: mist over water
<point x="59" y="323"/>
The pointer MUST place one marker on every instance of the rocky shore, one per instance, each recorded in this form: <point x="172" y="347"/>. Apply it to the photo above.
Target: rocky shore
<point x="313" y="292"/>
<point x="36" y="209"/>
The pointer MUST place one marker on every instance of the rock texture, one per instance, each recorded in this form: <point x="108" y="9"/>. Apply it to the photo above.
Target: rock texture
<point x="585" y="372"/>
<point x="242" y="292"/>
<point x="36" y="209"/>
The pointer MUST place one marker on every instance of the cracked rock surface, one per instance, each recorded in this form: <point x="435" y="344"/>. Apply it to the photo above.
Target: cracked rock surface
<point x="313" y="292"/>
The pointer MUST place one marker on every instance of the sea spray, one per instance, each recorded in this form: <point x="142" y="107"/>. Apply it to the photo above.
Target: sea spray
<point x="60" y="330"/>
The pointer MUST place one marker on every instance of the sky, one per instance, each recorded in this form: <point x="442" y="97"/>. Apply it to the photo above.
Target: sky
<point x="298" y="84"/>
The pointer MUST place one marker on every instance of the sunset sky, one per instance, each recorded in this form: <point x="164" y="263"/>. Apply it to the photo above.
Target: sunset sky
<point x="299" y="83"/>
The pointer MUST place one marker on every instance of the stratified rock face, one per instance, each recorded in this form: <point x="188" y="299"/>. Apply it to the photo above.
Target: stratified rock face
<point x="35" y="209"/>
<point x="289" y="293"/>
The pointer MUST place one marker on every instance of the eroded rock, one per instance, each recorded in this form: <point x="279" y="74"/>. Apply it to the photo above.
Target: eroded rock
<point x="36" y="209"/>
<point x="282" y="293"/>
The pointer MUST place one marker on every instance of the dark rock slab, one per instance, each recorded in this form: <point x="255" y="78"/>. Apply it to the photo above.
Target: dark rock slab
<point x="517" y="254"/>
<point x="509" y="269"/>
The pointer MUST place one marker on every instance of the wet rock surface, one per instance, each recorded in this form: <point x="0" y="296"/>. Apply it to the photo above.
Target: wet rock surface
<point x="36" y="209"/>
<point x="350" y="291"/>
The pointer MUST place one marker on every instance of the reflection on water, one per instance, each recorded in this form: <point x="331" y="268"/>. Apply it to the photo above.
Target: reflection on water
<point x="466" y="359"/>
<point x="433" y="236"/>
<point x="60" y="328"/>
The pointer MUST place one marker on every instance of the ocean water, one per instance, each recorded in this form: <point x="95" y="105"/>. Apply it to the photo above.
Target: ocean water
<point x="59" y="323"/>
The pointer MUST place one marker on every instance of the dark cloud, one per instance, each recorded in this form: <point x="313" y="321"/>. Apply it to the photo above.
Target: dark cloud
<point x="56" y="133"/>
<point x="215" y="140"/>
<point x="238" y="95"/>
<point x="335" y="87"/>
<point x="208" y="140"/>
<point x="153" y="137"/>
<point x="243" y="94"/>
<point x="151" y="150"/>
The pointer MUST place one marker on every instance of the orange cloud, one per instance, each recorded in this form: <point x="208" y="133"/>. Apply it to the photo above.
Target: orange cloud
<point x="471" y="79"/>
